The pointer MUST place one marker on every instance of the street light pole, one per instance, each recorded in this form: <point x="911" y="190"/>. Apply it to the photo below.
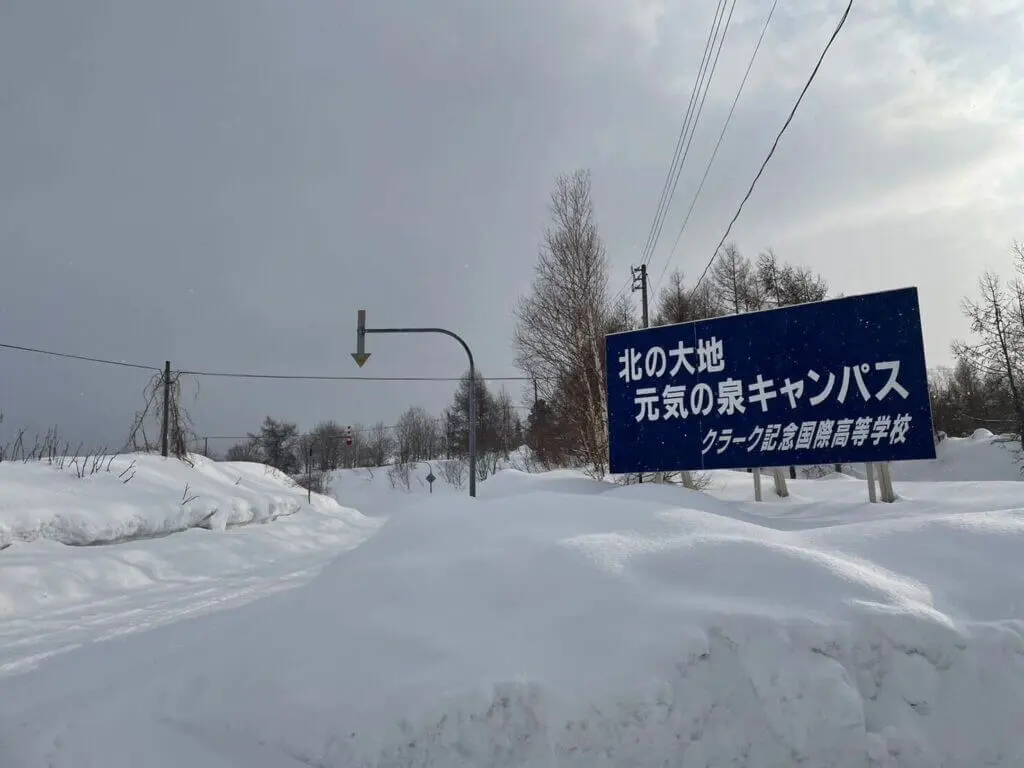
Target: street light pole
<point x="361" y="356"/>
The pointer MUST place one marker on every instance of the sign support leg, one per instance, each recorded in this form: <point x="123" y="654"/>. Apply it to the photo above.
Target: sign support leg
<point x="781" y="487"/>
<point x="688" y="481"/>
<point x="885" y="485"/>
<point x="757" y="484"/>
<point x="872" y="495"/>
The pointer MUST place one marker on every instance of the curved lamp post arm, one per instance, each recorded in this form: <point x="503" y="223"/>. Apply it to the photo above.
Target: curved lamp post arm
<point x="362" y="330"/>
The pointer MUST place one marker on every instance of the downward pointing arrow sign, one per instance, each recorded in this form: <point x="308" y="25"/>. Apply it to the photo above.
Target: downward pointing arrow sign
<point x="361" y="355"/>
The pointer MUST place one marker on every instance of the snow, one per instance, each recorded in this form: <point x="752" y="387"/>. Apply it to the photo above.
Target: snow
<point x="154" y="576"/>
<point x="981" y="457"/>
<point x="135" y="495"/>
<point x="554" y="621"/>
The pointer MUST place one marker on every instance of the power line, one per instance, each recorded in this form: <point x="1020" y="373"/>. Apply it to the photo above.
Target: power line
<point x="232" y="375"/>
<point x="66" y="355"/>
<point x="665" y="198"/>
<point x="693" y="128"/>
<point x="718" y="144"/>
<point x="771" y="152"/>
<point x="298" y="377"/>
<point x="687" y="131"/>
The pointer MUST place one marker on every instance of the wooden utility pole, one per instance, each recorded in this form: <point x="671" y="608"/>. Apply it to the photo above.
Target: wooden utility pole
<point x="165" y="427"/>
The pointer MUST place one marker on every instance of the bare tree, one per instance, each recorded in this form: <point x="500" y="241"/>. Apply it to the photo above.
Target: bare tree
<point x="179" y="422"/>
<point x="416" y="435"/>
<point x="327" y="439"/>
<point x="505" y="423"/>
<point x="679" y="304"/>
<point x="735" y="282"/>
<point x="561" y="323"/>
<point x="997" y="321"/>
<point x="785" y="285"/>
<point x="247" y="451"/>
<point x="379" y="445"/>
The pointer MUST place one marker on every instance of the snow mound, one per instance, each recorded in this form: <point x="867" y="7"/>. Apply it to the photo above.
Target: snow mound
<point x="581" y="625"/>
<point x="43" y="509"/>
<point x="981" y="457"/>
<point x="135" y="495"/>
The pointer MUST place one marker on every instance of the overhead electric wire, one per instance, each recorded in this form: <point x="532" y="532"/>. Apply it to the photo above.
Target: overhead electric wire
<point x="101" y="361"/>
<point x="718" y="144"/>
<point x="665" y="199"/>
<point x="235" y="375"/>
<point x="683" y="130"/>
<point x="298" y="377"/>
<point x="771" y="152"/>
<point x="693" y="130"/>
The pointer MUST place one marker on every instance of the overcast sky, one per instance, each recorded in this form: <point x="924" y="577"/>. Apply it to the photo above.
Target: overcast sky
<point x="223" y="184"/>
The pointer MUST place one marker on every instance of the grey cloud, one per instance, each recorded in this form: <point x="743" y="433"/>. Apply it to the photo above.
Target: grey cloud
<point x="223" y="185"/>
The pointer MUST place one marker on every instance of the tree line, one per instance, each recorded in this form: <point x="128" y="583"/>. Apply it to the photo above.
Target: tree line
<point x="983" y="386"/>
<point x="415" y="436"/>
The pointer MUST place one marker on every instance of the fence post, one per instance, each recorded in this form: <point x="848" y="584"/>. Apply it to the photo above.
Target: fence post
<point x="165" y="424"/>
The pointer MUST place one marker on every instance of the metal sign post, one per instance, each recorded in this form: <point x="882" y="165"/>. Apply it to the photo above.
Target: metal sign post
<point x="361" y="356"/>
<point x="430" y="476"/>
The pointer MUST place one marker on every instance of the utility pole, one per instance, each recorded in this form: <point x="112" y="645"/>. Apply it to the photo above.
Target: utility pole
<point x="165" y="426"/>
<point x="640" y="284"/>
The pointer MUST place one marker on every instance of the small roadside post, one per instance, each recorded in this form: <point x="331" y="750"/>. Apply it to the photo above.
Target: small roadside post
<point x="309" y="474"/>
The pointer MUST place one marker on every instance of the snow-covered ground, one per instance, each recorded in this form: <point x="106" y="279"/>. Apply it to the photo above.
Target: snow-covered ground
<point x="981" y="457"/>
<point x="136" y="495"/>
<point x="55" y="597"/>
<point x="554" y="621"/>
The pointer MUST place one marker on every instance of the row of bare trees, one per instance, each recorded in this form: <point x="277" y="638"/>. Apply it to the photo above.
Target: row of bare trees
<point x="561" y="323"/>
<point x="985" y="387"/>
<point x="415" y="436"/>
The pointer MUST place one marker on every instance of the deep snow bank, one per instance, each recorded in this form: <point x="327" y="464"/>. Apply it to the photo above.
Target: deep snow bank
<point x="42" y="509"/>
<point x="137" y="495"/>
<point x="580" y="624"/>
<point x="981" y="457"/>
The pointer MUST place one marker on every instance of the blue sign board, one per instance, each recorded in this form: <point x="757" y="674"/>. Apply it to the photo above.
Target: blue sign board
<point x="838" y="381"/>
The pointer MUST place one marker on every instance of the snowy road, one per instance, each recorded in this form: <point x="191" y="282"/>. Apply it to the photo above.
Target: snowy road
<point x="28" y="640"/>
